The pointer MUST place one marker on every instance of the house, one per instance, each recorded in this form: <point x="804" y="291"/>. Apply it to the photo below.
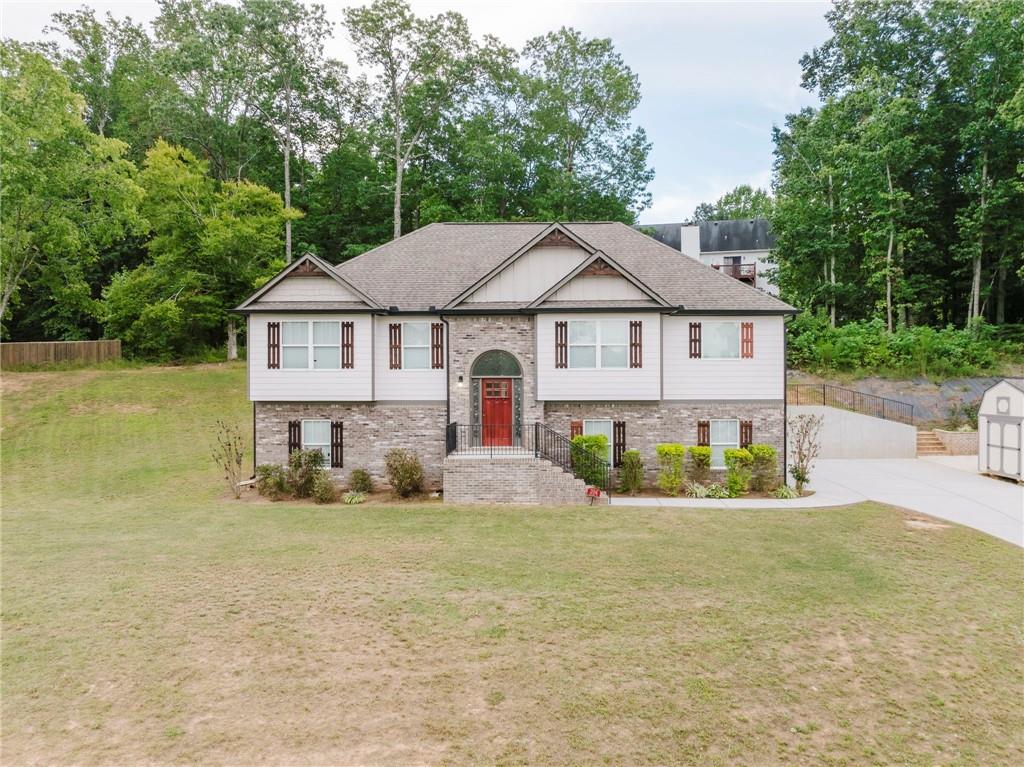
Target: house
<point x="1001" y="430"/>
<point x="500" y="341"/>
<point x="738" y="247"/>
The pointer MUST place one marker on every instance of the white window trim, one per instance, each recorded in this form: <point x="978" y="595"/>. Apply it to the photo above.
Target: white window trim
<point x="726" y="445"/>
<point x="311" y="347"/>
<point x="306" y="446"/>
<point x="739" y="340"/>
<point x="598" y="355"/>
<point x="426" y="346"/>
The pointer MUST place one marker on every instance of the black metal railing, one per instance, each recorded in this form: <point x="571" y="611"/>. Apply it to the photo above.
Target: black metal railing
<point x="537" y="440"/>
<point x="847" y="399"/>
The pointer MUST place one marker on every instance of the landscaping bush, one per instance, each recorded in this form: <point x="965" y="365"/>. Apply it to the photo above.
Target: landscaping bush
<point x="303" y="468"/>
<point x="785" y="491"/>
<point x="404" y="472"/>
<point x="700" y="463"/>
<point x="631" y="473"/>
<point x="765" y="470"/>
<point x="271" y="481"/>
<point x="696" y="490"/>
<point x="738" y="463"/>
<point x="585" y="447"/>
<point x="360" y="481"/>
<point x="353" y="497"/>
<point x="670" y="467"/>
<point x="716" y="490"/>
<point x="324" y="490"/>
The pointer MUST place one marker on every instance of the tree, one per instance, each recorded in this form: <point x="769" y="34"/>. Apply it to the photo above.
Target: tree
<point x="742" y="202"/>
<point x="67" y="193"/>
<point x="421" y="68"/>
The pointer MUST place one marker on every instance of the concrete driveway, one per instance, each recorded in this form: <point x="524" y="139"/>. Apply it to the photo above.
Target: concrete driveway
<point x="947" y="488"/>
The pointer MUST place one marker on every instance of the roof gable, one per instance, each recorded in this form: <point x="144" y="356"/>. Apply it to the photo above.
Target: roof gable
<point x="601" y="266"/>
<point x="317" y="271"/>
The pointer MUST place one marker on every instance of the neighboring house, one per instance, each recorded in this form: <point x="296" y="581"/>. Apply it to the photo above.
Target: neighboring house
<point x="738" y="248"/>
<point x="460" y="336"/>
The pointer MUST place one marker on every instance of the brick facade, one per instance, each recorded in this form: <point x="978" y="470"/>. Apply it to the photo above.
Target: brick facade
<point x="510" y="479"/>
<point x="371" y="429"/>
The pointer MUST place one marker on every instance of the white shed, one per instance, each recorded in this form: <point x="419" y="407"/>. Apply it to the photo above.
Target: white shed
<point x="1000" y="427"/>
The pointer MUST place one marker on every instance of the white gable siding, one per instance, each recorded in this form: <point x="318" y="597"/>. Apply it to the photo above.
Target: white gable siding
<point x="760" y="377"/>
<point x="530" y="275"/>
<point x="593" y="287"/>
<point x="403" y="385"/>
<point x="283" y="385"/>
<point x="610" y="384"/>
<point x="309" y="289"/>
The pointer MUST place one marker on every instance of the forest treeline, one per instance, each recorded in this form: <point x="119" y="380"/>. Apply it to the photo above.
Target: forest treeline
<point x="153" y="176"/>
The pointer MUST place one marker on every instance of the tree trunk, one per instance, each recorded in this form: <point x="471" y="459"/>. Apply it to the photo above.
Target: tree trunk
<point x="232" y="340"/>
<point x="288" y="171"/>
<point x="1001" y="292"/>
<point x="888" y="255"/>
<point x="399" y="169"/>
<point x="974" y="309"/>
<point x="831" y="266"/>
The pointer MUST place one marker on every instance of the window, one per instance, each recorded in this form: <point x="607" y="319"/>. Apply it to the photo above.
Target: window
<point x="599" y="426"/>
<point x="316" y="435"/>
<point x="724" y="434"/>
<point x="721" y="340"/>
<point x="416" y="345"/>
<point x="298" y="338"/>
<point x="588" y="337"/>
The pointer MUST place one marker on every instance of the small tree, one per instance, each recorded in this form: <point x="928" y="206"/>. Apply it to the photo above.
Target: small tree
<point x="738" y="462"/>
<point x="700" y="464"/>
<point x="404" y="472"/>
<point x="765" y="471"/>
<point x="304" y="467"/>
<point x="631" y="473"/>
<point x="804" y="430"/>
<point x="228" y="452"/>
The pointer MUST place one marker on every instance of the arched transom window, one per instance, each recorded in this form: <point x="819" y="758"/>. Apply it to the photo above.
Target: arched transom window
<point x="496" y="363"/>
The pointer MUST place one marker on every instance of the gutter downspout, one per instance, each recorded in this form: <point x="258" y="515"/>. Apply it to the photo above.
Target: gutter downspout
<point x="785" y="406"/>
<point x="253" y="433"/>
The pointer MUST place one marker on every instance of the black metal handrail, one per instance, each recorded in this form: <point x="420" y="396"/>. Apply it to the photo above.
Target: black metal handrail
<point x="848" y="399"/>
<point x="539" y="441"/>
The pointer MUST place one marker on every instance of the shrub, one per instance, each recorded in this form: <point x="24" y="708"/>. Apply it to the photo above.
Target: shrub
<point x="785" y="491"/>
<point x="700" y="463"/>
<point x="804" y="431"/>
<point x="584" y="448"/>
<point x="716" y="490"/>
<point x="631" y="473"/>
<point x="353" y="496"/>
<point x="404" y="472"/>
<point x="696" y="490"/>
<point x="303" y="468"/>
<point x="324" y="490"/>
<point x="738" y="462"/>
<point x="765" y="471"/>
<point x="360" y="481"/>
<point x="227" y="453"/>
<point x="271" y="481"/>
<point x="670" y="467"/>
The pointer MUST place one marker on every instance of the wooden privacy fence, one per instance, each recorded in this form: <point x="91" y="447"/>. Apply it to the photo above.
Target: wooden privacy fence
<point x="44" y="352"/>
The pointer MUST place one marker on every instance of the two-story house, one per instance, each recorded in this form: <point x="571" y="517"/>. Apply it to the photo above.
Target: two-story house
<point x="460" y="338"/>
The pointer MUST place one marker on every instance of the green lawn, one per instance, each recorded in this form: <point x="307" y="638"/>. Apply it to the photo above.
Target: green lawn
<point x="149" y="618"/>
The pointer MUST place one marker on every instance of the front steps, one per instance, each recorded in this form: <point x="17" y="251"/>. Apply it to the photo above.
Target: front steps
<point x="510" y="478"/>
<point x="929" y="444"/>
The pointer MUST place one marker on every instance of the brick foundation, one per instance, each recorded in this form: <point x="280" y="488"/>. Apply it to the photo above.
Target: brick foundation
<point x="510" y="479"/>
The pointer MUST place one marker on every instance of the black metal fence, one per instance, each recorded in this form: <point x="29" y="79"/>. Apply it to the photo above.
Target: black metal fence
<point x="847" y="399"/>
<point x="537" y="440"/>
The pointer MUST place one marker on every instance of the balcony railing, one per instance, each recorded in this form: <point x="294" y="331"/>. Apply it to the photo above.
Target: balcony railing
<point x="745" y="272"/>
<point x="537" y="440"/>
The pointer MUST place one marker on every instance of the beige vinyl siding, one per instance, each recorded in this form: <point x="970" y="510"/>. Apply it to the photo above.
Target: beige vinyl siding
<point x="404" y="385"/>
<point x="288" y="385"/>
<point x="760" y="377"/>
<point x="530" y="275"/>
<point x="294" y="288"/>
<point x="592" y="287"/>
<point x="572" y="384"/>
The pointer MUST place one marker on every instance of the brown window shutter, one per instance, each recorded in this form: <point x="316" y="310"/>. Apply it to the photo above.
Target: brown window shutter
<point x="636" y="344"/>
<point x="437" y="345"/>
<point x="618" y="442"/>
<point x="746" y="433"/>
<point x="337" y="444"/>
<point x="746" y="340"/>
<point x="294" y="436"/>
<point x="561" y="344"/>
<point x="348" y="357"/>
<point x="575" y="428"/>
<point x="694" y="340"/>
<point x="395" y="345"/>
<point x="273" y="345"/>
<point x="704" y="433"/>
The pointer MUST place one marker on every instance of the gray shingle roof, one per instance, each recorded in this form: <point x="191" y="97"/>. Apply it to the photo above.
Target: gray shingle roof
<point x="433" y="265"/>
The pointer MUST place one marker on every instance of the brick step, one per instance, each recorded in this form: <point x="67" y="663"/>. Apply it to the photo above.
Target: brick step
<point x="928" y="443"/>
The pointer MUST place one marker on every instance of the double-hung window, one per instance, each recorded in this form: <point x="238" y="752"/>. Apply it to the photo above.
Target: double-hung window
<point x="600" y="426"/>
<point x="598" y="343"/>
<point x="416" y="345"/>
<point x="316" y="435"/>
<point x="724" y="434"/>
<point x="310" y="345"/>
<point x="721" y="340"/>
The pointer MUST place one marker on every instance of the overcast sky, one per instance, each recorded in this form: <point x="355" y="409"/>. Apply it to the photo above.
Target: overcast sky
<point x="715" y="76"/>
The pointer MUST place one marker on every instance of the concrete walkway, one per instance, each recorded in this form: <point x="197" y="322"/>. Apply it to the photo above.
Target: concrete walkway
<point x="946" y="488"/>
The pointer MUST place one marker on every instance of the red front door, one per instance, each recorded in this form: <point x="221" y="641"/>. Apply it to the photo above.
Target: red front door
<point x="496" y="410"/>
